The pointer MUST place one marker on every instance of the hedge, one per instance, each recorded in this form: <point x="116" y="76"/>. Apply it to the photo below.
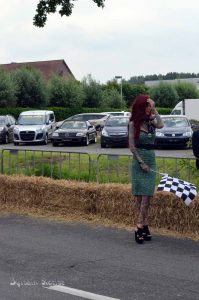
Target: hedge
<point x="62" y="113"/>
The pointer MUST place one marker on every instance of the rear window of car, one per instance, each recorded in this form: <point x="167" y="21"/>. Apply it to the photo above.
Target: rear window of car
<point x="175" y="122"/>
<point x="2" y="120"/>
<point x="93" y="117"/>
<point x="114" y="122"/>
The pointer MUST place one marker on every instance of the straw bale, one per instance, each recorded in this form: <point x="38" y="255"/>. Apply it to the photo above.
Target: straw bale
<point x="107" y="201"/>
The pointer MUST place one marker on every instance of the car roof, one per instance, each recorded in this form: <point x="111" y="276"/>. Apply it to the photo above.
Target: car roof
<point x="117" y="112"/>
<point x="174" y="116"/>
<point x="36" y="112"/>
<point x="118" y="117"/>
<point x="91" y="114"/>
<point x="79" y="121"/>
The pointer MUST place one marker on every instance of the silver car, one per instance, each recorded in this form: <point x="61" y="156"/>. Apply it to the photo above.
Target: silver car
<point x="177" y="131"/>
<point x="34" y="127"/>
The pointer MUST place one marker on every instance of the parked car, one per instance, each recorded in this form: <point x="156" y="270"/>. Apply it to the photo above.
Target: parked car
<point x="7" y="124"/>
<point x="75" y="131"/>
<point x="96" y="119"/>
<point x="34" y="127"/>
<point x="115" y="132"/>
<point x="118" y="113"/>
<point x="177" y="131"/>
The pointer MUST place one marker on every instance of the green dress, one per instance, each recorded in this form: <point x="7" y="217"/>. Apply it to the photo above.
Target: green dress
<point x="143" y="183"/>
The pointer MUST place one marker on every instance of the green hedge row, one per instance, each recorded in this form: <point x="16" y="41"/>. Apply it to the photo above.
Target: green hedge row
<point x="62" y="113"/>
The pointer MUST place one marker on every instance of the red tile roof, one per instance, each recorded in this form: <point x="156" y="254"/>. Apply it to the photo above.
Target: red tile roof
<point x="47" y="68"/>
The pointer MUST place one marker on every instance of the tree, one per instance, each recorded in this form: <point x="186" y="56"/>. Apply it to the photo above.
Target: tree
<point x="164" y="95"/>
<point x="30" y="88"/>
<point x="186" y="90"/>
<point x="7" y="90"/>
<point x="111" y="98"/>
<point x="66" y="93"/>
<point x="130" y="91"/>
<point x="45" y="7"/>
<point x="93" y="92"/>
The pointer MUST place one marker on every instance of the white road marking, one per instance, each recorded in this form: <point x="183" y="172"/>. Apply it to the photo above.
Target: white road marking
<point x="79" y="293"/>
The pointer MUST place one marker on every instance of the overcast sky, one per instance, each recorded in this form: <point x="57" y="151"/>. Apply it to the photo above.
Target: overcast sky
<point x="126" y="38"/>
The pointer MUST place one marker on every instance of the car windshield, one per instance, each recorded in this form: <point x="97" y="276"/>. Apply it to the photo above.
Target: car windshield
<point x="113" y="122"/>
<point x="175" y="122"/>
<point x="2" y="120"/>
<point x="73" y="125"/>
<point x="31" y="120"/>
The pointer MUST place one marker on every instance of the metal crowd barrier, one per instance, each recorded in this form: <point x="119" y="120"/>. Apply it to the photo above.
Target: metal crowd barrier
<point x="101" y="168"/>
<point x="53" y="164"/>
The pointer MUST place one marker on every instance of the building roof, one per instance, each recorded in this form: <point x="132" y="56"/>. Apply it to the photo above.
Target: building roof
<point x="47" y="68"/>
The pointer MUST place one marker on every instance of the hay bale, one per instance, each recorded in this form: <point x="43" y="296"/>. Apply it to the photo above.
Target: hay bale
<point x="110" y="201"/>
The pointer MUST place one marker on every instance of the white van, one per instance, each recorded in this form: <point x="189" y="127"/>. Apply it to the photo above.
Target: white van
<point x="187" y="107"/>
<point x="34" y="127"/>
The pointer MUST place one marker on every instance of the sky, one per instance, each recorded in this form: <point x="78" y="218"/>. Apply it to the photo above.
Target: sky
<point x="127" y="38"/>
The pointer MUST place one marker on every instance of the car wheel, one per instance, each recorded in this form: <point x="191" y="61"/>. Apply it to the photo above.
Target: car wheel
<point x="103" y="145"/>
<point x="55" y="144"/>
<point x="16" y="144"/>
<point x="86" y="142"/>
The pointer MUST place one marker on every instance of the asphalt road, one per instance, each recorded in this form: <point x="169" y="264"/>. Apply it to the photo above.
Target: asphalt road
<point x="96" y="149"/>
<point x="39" y="255"/>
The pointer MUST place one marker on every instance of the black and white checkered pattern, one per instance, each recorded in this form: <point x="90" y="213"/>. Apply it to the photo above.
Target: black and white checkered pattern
<point x="183" y="189"/>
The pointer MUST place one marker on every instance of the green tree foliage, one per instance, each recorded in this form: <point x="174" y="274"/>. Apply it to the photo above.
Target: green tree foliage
<point x="45" y="7"/>
<point x="111" y="98"/>
<point x="93" y="92"/>
<point x="30" y="88"/>
<point x="186" y="90"/>
<point x="164" y="94"/>
<point x="130" y="91"/>
<point x="7" y="90"/>
<point x="65" y="93"/>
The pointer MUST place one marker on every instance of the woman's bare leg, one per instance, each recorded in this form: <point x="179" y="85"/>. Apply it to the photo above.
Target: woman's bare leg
<point x="143" y="211"/>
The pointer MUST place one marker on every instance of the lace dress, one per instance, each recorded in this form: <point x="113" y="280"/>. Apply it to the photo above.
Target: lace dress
<point x="143" y="183"/>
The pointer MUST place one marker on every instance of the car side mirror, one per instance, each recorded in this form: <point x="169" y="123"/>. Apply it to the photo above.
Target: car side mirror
<point x="47" y="122"/>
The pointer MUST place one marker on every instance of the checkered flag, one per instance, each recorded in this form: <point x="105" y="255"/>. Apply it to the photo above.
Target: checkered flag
<point x="183" y="189"/>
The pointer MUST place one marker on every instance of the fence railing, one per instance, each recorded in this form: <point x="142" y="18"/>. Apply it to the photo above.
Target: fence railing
<point x="100" y="168"/>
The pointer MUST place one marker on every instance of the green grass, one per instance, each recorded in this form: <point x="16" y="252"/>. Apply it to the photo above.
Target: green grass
<point x="102" y="168"/>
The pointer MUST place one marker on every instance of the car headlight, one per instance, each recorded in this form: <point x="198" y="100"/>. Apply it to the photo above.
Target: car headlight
<point x="80" y="134"/>
<point x="39" y="130"/>
<point x="16" y="130"/>
<point x="187" y="133"/>
<point x="104" y="132"/>
<point x="1" y="128"/>
<point x="158" y="133"/>
<point x="55" y="134"/>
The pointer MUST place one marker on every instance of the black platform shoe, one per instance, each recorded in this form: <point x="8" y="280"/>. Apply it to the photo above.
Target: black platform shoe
<point x="146" y="233"/>
<point x="139" y="235"/>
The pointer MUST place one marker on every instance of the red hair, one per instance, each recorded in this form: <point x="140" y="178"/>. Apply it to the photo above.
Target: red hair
<point x="138" y="114"/>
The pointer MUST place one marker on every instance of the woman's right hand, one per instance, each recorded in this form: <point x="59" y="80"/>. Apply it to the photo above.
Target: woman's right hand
<point x="144" y="167"/>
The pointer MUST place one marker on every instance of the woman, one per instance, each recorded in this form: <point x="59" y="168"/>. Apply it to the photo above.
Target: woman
<point x="143" y="121"/>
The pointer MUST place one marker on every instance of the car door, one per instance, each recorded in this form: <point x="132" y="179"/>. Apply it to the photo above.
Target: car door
<point x="91" y="131"/>
<point x="51" y="124"/>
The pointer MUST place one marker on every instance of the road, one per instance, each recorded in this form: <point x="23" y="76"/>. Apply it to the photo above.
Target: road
<point x="96" y="149"/>
<point x="38" y="256"/>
